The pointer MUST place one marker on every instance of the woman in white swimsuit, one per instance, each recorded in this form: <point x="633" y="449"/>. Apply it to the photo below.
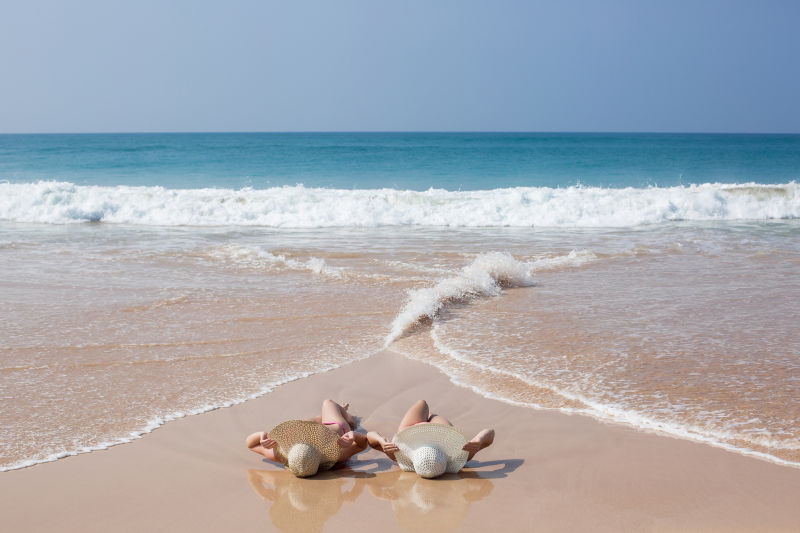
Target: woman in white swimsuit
<point x="419" y="413"/>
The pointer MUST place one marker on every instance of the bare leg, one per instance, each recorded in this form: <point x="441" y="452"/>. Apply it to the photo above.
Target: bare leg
<point x="439" y="419"/>
<point x="333" y="412"/>
<point x="419" y="412"/>
<point x="347" y="416"/>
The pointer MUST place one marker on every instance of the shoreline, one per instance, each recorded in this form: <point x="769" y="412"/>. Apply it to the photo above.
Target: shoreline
<point x="160" y="422"/>
<point x="651" y="426"/>
<point x="559" y="471"/>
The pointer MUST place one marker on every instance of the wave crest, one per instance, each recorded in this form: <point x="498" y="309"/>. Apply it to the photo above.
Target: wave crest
<point x="301" y="207"/>
<point x="485" y="276"/>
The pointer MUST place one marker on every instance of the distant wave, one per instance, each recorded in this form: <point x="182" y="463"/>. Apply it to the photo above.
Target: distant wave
<point x="301" y="207"/>
<point x="248" y="256"/>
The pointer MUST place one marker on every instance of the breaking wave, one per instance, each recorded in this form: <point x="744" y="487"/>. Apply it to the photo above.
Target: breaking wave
<point x="300" y="207"/>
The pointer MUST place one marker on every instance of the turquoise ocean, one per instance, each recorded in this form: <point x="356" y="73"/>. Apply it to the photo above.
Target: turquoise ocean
<point x="413" y="161"/>
<point x="649" y="280"/>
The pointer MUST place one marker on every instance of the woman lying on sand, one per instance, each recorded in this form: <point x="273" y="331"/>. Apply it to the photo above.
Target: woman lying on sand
<point x="428" y="444"/>
<point x="306" y="446"/>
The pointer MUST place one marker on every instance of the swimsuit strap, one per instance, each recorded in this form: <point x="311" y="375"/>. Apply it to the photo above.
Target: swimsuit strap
<point x="344" y="430"/>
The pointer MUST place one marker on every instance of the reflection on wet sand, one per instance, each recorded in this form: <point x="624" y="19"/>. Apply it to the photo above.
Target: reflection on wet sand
<point x="439" y="504"/>
<point x="429" y="504"/>
<point x="304" y="505"/>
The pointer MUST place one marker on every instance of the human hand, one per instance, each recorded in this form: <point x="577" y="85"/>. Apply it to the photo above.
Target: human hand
<point x="267" y="442"/>
<point x="346" y="440"/>
<point x="389" y="447"/>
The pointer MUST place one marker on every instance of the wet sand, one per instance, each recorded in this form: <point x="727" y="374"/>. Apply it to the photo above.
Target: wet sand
<point x="546" y="471"/>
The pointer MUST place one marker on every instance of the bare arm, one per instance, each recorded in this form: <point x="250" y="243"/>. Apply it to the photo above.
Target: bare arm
<point x="263" y="445"/>
<point x="379" y="442"/>
<point x="360" y="441"/>
<point x="482" y="440"/>
<point x="352" y="443"/>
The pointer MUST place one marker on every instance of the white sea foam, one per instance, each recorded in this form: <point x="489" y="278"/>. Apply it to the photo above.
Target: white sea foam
<point x="253" y="257"/>
<point x="149" y="427"/>
<point x="573" y="259"/>
<point x="485" y="276"/>
<point x="301" y="207"/>
<point x="618" y="414"/>
<point x="159" y="421"/>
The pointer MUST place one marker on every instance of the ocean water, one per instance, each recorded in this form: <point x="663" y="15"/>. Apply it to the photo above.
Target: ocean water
<point x="647" y="280"/>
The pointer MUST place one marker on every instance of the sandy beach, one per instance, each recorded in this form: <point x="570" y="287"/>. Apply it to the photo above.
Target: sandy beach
<point x="546" y="472"/>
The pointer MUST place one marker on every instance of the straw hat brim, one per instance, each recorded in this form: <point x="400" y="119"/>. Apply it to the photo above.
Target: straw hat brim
<point x="292" y="432"/>
<point x="448" y="439"/>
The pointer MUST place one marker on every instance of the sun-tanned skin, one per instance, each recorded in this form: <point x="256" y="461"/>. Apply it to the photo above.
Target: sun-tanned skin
<point x="419" y="413"/>
<point x="333" y="415"/>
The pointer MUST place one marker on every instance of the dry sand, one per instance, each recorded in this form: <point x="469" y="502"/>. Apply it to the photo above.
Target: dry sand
<point x="546" y="472"/>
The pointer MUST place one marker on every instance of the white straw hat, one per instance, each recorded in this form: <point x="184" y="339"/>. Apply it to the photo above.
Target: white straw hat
<point x="430" y="450"/>
<point x="305" y="447"/>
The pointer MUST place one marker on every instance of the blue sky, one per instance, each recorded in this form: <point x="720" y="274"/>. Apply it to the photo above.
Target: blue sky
<point x="100" y="66"/>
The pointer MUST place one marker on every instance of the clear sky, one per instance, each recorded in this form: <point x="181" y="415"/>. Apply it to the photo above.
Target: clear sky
<point x="443" y="65"/>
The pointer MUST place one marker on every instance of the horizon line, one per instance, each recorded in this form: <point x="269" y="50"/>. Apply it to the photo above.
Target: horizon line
<point x="284" y="132"/>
